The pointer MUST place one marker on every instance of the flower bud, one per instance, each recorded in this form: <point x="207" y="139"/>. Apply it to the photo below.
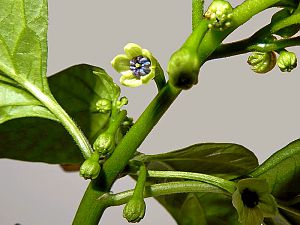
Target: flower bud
<point x="134" y="210"/>
<point x="90" y="168"/>
<point x="287" y="31"/>
<point x="105" y="143"/>
<point x="123" y="101"/>
<point x="287" y="61"/>
<point x="262" y="62"/>
<point x="219" y="13"/>
<point x="103" y="105"/>
<point x="183" y="68"/>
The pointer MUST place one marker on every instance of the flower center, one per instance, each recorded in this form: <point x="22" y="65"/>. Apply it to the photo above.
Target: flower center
<point x="140" y="66"/>
<point x="250" y="198"/>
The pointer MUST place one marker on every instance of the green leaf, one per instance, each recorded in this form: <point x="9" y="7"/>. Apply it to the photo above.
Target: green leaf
<point x="223" y="160"/>
<point x="282" y="171"/>
<point x="191" y="211"/>
<point x="16" y="102"/>
<point x="77" y="89"/>
<point x="200" y="208"/>
<point x="23" y="41"/>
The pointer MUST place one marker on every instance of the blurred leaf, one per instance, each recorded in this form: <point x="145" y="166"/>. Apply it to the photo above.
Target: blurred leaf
<point x="77" y="89"/>
<point x="282" y="171"/>
<point x="223" y="160"/>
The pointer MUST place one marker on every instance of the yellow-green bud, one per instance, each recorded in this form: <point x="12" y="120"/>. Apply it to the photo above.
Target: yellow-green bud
<point x="103" y="105"/>
<point x="219" y="13"/>
<point x="183" y="68"/>
<point x="122" y="101"/>
<point x="134" y="210"/>
<point x="105" y="143"/>
<point x="90" y="168"/>
<point x="287" y="61"/>
<point x="262" y="62"/>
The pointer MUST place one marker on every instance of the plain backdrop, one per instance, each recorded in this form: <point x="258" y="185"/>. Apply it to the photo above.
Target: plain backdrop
<point x="230" y="103"/>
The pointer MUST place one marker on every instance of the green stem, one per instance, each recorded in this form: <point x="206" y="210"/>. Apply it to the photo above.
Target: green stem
<point x="61" y="115"/>
<point x="115" y="122"/>
<point x="251" y="45"/>
<point x="197" y="12"/>
<point x="164" y="189"/>
<point x="241" y="14"/>
<point x="159" y="78"/>
<point x="91" y="210"/>
<point x="216" y="181"/>
<point x="140" y="183"/>
<point x="293" y="19"/>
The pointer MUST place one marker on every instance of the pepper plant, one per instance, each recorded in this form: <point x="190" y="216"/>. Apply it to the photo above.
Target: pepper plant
<point x="83" y="115"/>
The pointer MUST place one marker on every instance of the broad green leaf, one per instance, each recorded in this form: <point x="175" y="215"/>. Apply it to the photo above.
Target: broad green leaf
<point x="23" y="58"/>
<point x="77" y="89"/>
<point x="282" y="171"/>
<point x="224" y="160"/>
<point x="23" y="40"/>
<point x="16" y="102"/>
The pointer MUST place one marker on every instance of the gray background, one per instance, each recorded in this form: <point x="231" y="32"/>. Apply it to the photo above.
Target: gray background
<point x="230" y="103"/>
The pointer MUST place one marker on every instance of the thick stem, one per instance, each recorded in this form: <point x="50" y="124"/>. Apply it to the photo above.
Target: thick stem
<point x="164" y="189"/>
<point x="91" y="210"/>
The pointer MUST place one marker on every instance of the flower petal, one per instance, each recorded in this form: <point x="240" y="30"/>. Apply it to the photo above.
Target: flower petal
<point x="268" y="205"/>
<point x="132" y="50"/>
<point x="148" y="77"/>
<point x="258" y="185"/>
<point x="252" y="216"/>
<point x="120" y="63"/>
<point x="148" y="54"/>
<point x="129" y="80"/>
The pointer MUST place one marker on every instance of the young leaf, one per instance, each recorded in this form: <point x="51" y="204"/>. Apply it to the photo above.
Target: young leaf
<point x="76" y="89"/>
<point x="224" y="160"/>
<point x="282" y="171"/>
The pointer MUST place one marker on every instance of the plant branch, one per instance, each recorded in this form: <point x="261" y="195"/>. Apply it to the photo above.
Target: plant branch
<point x="251" y="45"/>
<point x="163" y="189"/>
<point x="61" y="115"/>
<point x="216" y="181"/>
<point x="90" y="210"/>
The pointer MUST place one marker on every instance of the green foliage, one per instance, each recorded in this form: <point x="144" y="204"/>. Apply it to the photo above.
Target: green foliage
<point x="282" y="171"/>
<point x="23" y="40"/>
<point x="77" y="89"/>
<point x="219" y="159"/>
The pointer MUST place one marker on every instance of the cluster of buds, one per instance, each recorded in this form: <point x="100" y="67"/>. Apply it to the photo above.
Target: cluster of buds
<point x="219" y="14"/>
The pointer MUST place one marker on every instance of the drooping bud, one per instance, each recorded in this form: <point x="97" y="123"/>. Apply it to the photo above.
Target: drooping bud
<point x="183" y="68"/>
<point x="90" y="168"/>
<point x="287" y="61"/>
<point x="219" y="13"/>
<point x="134" y="210"/>
<point x="262" y="62"/>
<point x="103" y="105"/>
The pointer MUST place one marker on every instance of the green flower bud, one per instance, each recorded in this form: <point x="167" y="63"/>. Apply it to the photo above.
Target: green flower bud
<point x="219" y="13"/>
<point x="183" y="68"/>
<point x="123" y="101"/>
<point x="287" y="61"/>
<point x="262" y="62"/>
<point x="90" y="168"/>
<point x="105" y="143"/>
<point x="103" y="105"/>
<point x="287" y="31"/>
<point x="134" y="210"/>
